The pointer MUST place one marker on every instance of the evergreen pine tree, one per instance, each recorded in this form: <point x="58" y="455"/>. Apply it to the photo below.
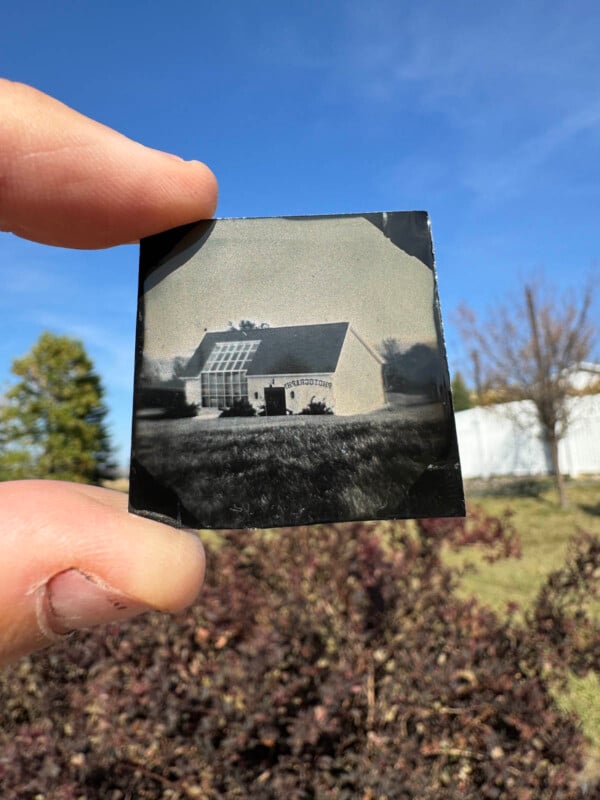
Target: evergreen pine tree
<point x="52" y="420"/>
<point x="461" y="396"/>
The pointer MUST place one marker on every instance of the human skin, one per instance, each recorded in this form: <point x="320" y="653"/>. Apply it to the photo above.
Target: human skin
<point x="72" y="556"/>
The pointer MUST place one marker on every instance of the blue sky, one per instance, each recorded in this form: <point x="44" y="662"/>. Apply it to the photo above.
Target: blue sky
<point x="486" y="115"/>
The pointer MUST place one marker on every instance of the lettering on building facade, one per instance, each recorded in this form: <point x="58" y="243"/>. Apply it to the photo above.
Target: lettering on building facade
<point x="308" y="382"/>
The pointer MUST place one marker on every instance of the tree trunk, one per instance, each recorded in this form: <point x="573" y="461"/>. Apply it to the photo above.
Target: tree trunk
<point x="558" y="476"/>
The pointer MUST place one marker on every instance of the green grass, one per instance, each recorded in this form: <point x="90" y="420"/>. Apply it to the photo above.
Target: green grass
<point x="545" y="531"/>
<point x="583" y="697"/>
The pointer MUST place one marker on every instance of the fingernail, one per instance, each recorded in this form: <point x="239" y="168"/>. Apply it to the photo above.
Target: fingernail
<point x="76" y="600"/>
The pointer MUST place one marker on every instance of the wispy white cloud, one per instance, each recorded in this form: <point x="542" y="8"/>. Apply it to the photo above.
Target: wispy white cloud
<point x="27" y="271"/>
<point x="90" y="296"/>
<point x="499" y="91"/>
<point x="511" y="86"/>
<point x="501" y="177"/>
<point x="112" y="352"/>
<point x="111" y="349"/>
<point x="462" y="50"/>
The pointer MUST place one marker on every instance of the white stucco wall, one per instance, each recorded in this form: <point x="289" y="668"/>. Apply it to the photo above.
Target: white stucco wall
<point x="304" y="388"/>
<point x="193" y="391"/>
<point x="358" y="385"/>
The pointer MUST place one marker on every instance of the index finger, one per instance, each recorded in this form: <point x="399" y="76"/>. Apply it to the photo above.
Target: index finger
<point x="67" y="180"/>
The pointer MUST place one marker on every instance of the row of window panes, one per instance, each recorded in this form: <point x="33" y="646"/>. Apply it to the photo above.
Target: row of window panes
<point x="219" y="390"/>
<point x="222" y="361"/>
<point x="219" y="400"/>
<point x="230" y="356"/>
<point x="233" y="381"/>
<point x="226" y="366"/>
<point x="236" y="347"/>
<point x="218" y="358"/>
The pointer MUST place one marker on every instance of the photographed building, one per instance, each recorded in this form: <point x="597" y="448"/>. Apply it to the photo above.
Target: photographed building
<point x="282" y="369"/>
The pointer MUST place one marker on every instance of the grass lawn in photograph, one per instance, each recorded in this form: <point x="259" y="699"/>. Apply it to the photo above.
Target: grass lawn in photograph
<point x="279" y="471"/>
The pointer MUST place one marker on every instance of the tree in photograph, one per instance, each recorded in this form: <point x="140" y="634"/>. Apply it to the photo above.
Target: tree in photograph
<point x="461" y="396"/>
<point x="247" y="325"/>
<point x="241" y="407"/>
<point x="528" y="350"/>
<point x="416" y="370"/>
<point x="179" y="367"/>
<point x="316" y="407"/>
<point x="52" y="419"/>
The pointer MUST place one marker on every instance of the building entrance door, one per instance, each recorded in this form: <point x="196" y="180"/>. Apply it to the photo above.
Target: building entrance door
<point x="274" y="401"/>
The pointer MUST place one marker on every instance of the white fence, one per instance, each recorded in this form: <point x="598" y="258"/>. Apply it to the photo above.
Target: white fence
<point x="505" y="440"/>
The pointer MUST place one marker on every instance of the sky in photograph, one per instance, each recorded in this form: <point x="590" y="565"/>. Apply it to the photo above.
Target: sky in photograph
<point x="485" y="115"/>
<point x="288" y="272"/>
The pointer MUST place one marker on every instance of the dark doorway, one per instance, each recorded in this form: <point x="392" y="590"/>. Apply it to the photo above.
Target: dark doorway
<point x="274" y="401"/>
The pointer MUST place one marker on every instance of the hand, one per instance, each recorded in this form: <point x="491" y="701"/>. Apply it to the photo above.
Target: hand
<point x="71" y="554"/>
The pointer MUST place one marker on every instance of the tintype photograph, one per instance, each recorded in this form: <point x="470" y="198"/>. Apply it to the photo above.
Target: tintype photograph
<point x="290" y="371"/>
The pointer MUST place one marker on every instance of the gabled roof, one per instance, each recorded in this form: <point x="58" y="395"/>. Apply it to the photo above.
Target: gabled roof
<point x="289" y="350"/>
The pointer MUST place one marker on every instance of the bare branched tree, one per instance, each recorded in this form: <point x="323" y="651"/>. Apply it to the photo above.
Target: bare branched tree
<point x="528" y="351"/>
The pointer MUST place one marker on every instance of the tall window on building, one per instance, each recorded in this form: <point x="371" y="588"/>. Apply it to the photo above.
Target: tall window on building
<point x="224" y="377"/>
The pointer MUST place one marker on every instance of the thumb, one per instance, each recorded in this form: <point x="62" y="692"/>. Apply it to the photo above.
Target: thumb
<point x="73" y="557"/>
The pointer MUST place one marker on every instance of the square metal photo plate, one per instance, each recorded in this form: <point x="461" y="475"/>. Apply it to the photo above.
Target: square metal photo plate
<point x="291" y="371"/>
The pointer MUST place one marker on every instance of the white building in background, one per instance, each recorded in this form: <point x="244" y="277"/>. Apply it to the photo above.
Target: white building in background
<point x="283" y="369"/>
<point x="507" y="440"/>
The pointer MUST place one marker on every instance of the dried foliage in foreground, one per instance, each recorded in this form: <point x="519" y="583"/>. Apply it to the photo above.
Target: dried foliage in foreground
<point x="329" y="662"/>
